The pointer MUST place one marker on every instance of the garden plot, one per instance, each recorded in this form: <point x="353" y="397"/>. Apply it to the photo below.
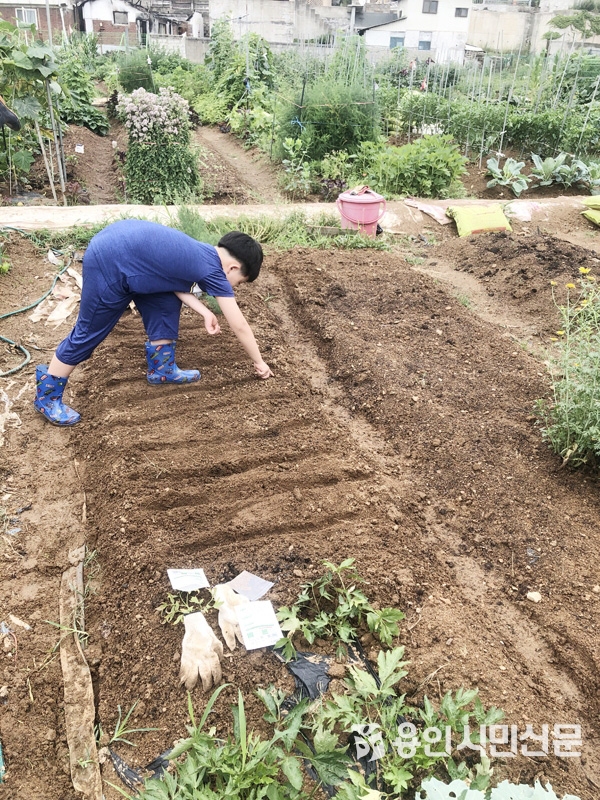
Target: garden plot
<point x="398" y="431"/>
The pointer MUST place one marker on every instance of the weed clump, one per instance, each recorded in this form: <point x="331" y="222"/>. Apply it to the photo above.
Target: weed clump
<point x="571" y="418"/>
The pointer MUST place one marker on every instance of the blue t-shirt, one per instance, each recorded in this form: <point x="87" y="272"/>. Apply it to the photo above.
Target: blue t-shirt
<point x="146" y="258"/>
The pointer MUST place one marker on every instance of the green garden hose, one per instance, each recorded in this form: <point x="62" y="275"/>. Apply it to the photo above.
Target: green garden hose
<point x="20" y="347"/>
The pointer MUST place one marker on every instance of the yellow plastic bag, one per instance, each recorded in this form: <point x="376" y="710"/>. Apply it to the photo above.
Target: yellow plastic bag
<point x="593" y="214"/>
<point x="592" y="202"/>
<point x="478" y="219"/>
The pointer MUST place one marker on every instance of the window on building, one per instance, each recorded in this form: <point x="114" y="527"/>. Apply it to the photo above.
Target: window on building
<point x="461" y="12"/>
<point x="120" y="17"/>
<point x="425" y="40"/>
<point x="162" y="28"/>
<point x="396" y="41"/>
<point x="28" y="16"/>
<point x="430" y="6"/>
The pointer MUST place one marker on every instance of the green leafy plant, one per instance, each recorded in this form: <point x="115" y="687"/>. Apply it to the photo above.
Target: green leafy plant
<point x="135" y="71"/>
<point x="176" y="606"/>
<point x="121" y="730"/>
<point x="159" y="165"/>
<point x="75" y="102"/>
<point x="510" y="175"/>
<point x="403" y="747"/>
<point x="337" y="173"/>
<point x="571" y="174"/>
<point x="331" y="116"/>
<point x="333" y="606"/>
<point x="4" y="268"/>
<point x="591" y="179"/>
<point x="427" y="168"/>
<point x="28" y="75"/>
<point x="545" y="170"/>
<point x="246" y="766"/>
<point x="296" y="179"/>
<point x="570" y="420"/>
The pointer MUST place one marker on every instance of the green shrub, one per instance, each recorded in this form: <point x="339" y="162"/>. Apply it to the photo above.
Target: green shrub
<point x="211" y="108"/>
<point x="571" y="419"/>
<point x="427" y="168"/>
<point x="159" y="165"/>
<point x="332" y="116"/>
<point x="470" y="123"/>
<point x="537" y="131"/>
<point x="75" y="103"/>
<point x="135" y="72"/>
<point x="186" y="81"/>
<point x="582" y="130"/>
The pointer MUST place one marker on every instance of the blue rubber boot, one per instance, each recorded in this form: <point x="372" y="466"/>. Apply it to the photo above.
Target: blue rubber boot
<point x="48" y="398"/>
<point x="162" y="367"/>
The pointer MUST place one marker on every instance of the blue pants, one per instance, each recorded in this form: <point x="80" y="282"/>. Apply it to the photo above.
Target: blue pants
<point x="104" y="298"/>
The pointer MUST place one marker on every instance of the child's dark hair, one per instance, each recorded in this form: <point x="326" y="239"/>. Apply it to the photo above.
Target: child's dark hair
<point x="246" y="250"/>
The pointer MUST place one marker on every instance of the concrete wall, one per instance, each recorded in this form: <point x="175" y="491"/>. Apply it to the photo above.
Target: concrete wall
<point x="501" y="28"/>
<point x="505" y="28"/>
<point x="186" y="46"/>
<point x="277" y="21"/>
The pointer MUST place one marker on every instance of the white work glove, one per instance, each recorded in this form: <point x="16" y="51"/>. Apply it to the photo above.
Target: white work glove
<point x="201" y="653"/>
<point x="227" y="600"/>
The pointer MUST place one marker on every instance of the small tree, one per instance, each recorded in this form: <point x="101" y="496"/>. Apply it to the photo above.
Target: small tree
<point x="586" y="22"/>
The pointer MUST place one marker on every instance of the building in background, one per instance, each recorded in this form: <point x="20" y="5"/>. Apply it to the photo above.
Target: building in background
<point x="435" y="29"/>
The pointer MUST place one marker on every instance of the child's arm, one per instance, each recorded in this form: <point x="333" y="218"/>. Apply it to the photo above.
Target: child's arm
<point x="243" y="331"/>
<point x="211" y="323"/>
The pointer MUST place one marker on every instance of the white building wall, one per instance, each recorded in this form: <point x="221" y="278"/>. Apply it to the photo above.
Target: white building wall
<point x="103" y="10"/>
<point x="277" y="21"/>
<point x="449" y="33"/>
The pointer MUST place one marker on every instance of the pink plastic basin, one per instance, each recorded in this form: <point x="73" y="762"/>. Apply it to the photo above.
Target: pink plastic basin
<point x="361" y="211"/>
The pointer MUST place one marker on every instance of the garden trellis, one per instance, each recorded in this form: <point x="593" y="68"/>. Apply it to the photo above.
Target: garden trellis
<point x="527" y="103"/>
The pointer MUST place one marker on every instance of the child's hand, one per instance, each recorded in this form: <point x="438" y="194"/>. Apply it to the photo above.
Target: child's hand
<point x="263" y="370"/>
<point x="211" y="323"/>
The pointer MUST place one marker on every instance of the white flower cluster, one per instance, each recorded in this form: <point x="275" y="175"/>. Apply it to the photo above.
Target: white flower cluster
<point x="150" y="116"/>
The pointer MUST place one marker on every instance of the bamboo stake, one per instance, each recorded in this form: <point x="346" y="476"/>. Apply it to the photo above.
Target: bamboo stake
<point x="59" y="165"/>
<point x="509" y="98"/>
<point x="48" y="172"/>
<point x="587" y="116"/>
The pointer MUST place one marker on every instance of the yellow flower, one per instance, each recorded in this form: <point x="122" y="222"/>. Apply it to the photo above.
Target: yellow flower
<point x="552" y="283"/>
<point x="560" y="333"/>
<point x="553" y="339"/>
<point x="591" y="277"/>
<point x="570" y="285"/>
<point x="583" y="270"/>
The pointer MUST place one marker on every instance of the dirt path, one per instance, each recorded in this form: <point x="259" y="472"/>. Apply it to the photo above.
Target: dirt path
<point x="233" y="173"/>
<point x="398" y="430"/>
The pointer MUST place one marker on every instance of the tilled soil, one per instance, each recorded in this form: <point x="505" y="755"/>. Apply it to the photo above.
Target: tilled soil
<point x="398" y="430"/>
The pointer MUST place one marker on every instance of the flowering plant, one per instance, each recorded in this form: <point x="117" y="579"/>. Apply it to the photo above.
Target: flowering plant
<point x="152" y="117"/>
<point x="159" y="165"/>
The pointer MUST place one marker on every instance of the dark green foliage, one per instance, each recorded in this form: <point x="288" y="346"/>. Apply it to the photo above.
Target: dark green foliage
<point x="169" y="173"/>
<point x="222" y="45"/>
<point x="333" y="117"/>
<point x="538" y="131"/>
<point x="188" y="82"/>
<point x="574" y="80"/>
<point x="427" y="168"/>
<point x="75" y="104"/>
<point x="165" y="62"/>
<point x="135" y="72"/>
